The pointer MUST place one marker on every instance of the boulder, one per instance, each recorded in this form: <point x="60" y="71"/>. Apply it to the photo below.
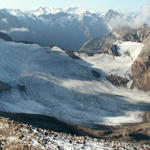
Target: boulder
<point x="117" y="80"/>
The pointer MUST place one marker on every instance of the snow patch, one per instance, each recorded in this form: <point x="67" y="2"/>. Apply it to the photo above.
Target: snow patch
<point x="130" y="49"/>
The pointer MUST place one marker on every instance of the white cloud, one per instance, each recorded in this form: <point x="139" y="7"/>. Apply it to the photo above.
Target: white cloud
<point x="22" y="29"/>
<point x="4" y="20"/>
<point x="4" y="31"/>
<point x="133" y="20"/>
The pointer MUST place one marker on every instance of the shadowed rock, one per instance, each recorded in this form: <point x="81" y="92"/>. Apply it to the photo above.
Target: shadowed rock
<point x="117" y="81"/>
<point x="5" y="37"/>
<point x="4" y="86"/>
<point x="96" y="74"/>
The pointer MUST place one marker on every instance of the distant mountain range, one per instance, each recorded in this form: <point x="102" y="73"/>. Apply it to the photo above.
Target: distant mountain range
<point x="66" y="28"/>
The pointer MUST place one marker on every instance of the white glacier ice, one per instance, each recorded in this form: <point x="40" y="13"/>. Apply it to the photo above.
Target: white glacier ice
<point x="62" y="87"/>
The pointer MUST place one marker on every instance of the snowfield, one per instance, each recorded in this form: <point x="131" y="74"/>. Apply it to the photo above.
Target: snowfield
<point x="116" y="65"/>
<point x="60" y="86"/>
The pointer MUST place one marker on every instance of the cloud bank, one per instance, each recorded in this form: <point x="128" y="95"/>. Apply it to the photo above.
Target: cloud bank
<point x="133" y="20"/>
<point x="22" y="29"/>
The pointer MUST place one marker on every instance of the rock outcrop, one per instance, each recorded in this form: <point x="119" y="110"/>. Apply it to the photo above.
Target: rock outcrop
<point x="106" y="44"/>
<point x="117" y="81"/>
<point x="96" y="74"/>
<point x="141" y="67"/>
<point x="4" y="87"/>
<point x="141" y="70"/>
<point x="71" y="54"/>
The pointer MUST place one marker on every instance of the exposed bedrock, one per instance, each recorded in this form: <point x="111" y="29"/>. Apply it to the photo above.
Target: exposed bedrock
<point x="141" y="70"/>
<point x="117" y="81"/>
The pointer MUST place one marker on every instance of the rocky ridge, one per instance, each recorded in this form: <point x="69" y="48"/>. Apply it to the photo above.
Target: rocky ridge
<point x="105" y="44"/>
<point x="141" y="67"/>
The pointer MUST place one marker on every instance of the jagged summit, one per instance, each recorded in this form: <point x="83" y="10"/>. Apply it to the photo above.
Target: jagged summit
<point x="111" y="14"/>
<point x="70" y="10"/>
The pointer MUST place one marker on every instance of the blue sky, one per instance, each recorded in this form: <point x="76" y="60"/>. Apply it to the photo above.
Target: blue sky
<point x="98" y="5"/>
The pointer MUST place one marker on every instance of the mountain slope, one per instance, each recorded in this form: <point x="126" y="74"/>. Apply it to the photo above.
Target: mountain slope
<point x="105" y="44"/>
<point x="66" y="88"/>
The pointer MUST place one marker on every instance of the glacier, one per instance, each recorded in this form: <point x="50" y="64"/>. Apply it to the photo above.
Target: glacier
<point x="60" y="86"/>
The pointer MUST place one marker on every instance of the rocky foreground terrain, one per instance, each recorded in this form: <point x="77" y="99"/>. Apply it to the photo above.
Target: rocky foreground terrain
<point x="22" y="136"/>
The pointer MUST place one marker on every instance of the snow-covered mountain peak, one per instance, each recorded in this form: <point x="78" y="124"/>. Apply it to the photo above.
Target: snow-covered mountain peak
<point x="55" y="26"/>
<point x="45" y="11"/>
<point x="50" y="10"/>
<point x="15" y="12"/>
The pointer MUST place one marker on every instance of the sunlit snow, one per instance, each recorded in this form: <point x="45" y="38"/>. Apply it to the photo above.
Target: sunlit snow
<point x="60" y="86"/>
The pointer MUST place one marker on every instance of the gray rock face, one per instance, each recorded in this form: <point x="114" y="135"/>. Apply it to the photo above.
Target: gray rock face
<point x="141" y="70"/>
<point x="99" y="45"/>
<point x="106" y="44"/>
<point x="141" y="67"/>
